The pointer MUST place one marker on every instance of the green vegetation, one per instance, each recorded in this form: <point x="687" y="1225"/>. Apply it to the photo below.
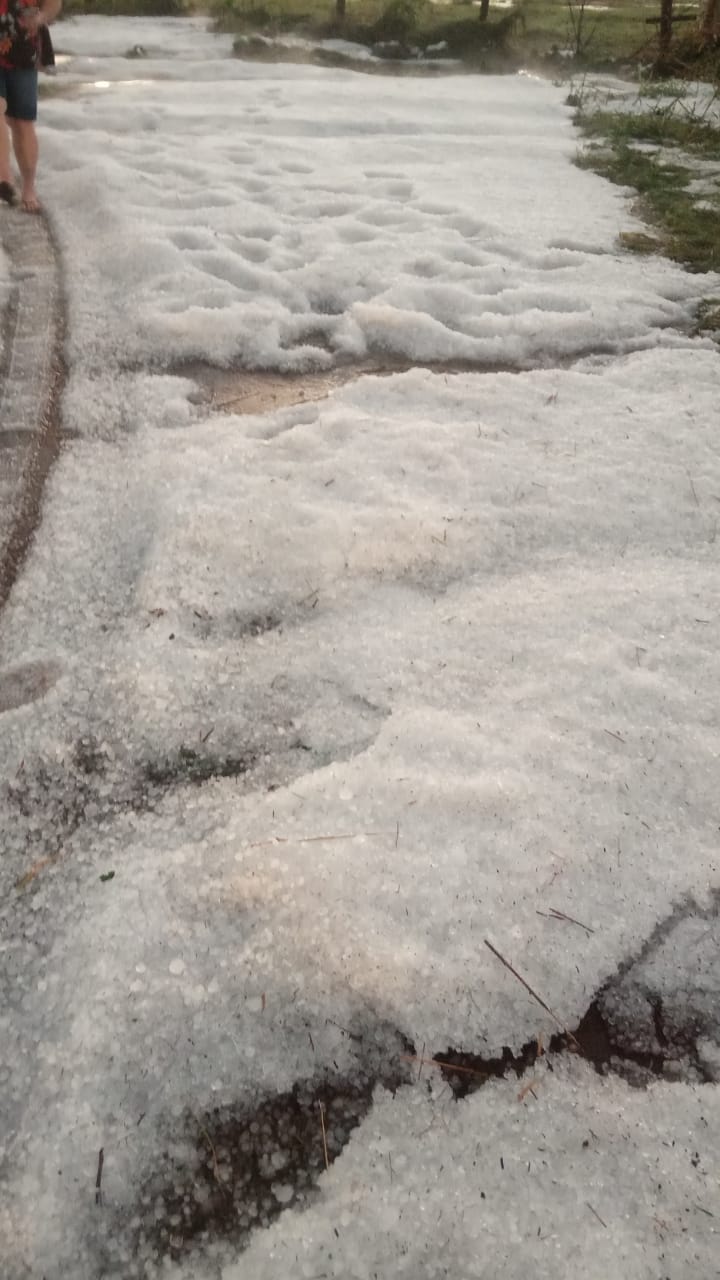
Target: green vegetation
<point x="130" y="8"/>
<point x="660" y="154"/>
<point x="597" y="37"/>
<point x="532" y="31"/>
<point x="662" y="128"/>
<point x="188" y="765"/>
<point x="406" y="24"/>
<point x="669" y="88"/>
<point x="708" y="316"/>
<point x="561" y="35"/>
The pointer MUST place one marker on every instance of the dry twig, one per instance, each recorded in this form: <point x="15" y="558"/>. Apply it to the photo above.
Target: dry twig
<point x="526" y="1089"/>
<point x="554" y="914"/>
<point x="34" y="871"/>
<point x="597" y="1215"/>
<point x="341" y="835"/>
<point x="534" y="994"/>
<point x="612" y="734"/>
<point x="444" y="1066"/>
<point x="98" y="1179"/>
<point x="213" y="1152"/>
<point x="324" y="1135"/>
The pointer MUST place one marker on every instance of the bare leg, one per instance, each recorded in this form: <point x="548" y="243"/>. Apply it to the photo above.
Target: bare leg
<point x="25" y="144"/>
<point x="5" y="174"/>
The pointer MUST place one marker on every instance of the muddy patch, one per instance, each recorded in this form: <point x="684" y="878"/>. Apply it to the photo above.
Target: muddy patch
<point x="280" y="732"/>
<point x="235" y="1169"/>
<point x="13" y="439"/>
<point x="26" y="683"/>
<point x="663" y="1008"/>
<point x="594" y="1039"/>
<point x="188" y="765"/>
<point x="242" y="391"/>
<point x="241" y="624"/>
<point x="226" y="1172"/>
<point x="220" y="1173"/>
<point x="49" y="801"/>
<point x="657" y="1019"/>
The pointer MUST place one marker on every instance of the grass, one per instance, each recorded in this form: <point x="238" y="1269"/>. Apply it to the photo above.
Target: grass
<point x="534" y="31"/>
<point x="618" y="33"/>
<point x="537" y="33"/>
<point x="696" y="136"/>
<point x="667" y="88"/>
<point x="655" y="153"/>
<point x="410" y="23"/>
<point x="707" y="319"/>
<point x="128" y="8"/>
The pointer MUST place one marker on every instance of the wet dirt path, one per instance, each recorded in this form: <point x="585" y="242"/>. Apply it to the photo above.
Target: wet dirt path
<point x="243" y="391"/>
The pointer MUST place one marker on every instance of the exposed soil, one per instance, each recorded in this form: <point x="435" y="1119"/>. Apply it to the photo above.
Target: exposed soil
<point x="229" y="1171"/>
<point x="238" y="390"/>
<point x="245" y="391"/>
<point x="246" y="1164"/>
<point x="592" y="1039"/>
<point x="25" y="683"/>
<point x="92" y="785"/>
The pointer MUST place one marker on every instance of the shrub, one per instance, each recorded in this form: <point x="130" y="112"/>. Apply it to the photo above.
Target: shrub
<point x="129" y="8"/>
<point x="398" y="21"/>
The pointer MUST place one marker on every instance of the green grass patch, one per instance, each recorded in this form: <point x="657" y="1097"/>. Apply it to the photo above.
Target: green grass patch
<point x="598" y="37"/>
<point x="696" y="136"/>
<point x="640" y="242"/>
<point x="687" y="231"/>
<point x="708" y="316"/>
<point x="669" y="88"/>
<point x="189" y="766"/>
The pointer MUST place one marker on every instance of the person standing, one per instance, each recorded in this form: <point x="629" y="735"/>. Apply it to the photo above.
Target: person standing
<point x="20" y="54"/>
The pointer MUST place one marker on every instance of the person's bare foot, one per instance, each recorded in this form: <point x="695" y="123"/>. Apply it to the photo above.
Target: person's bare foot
<point x="8" y="193"/>
<point x="30" y="203"/>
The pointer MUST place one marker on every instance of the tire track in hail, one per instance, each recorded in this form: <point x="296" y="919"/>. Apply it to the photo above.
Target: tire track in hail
<point x="31" y="380"/>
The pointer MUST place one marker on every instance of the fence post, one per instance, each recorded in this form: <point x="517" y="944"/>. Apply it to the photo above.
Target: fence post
<point x="666" y="22"/>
